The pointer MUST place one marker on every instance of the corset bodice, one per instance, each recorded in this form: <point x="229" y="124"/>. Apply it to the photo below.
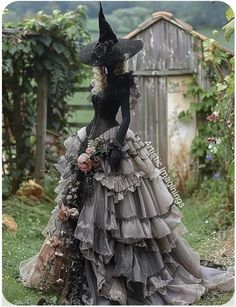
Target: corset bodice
<point x="107" y="102"/>
<point x="105" y="111"/>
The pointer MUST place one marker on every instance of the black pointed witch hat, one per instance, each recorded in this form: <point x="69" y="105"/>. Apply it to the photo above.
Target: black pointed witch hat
<point x="108" y="49"/>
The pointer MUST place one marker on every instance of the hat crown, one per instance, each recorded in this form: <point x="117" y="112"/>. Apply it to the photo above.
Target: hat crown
<point x="106" y="32"/>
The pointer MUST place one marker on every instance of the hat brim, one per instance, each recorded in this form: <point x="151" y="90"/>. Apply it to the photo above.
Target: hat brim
<point x="121" y="51"/>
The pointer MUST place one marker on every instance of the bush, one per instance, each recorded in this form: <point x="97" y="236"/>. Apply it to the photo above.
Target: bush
<point x="45" y="44"/>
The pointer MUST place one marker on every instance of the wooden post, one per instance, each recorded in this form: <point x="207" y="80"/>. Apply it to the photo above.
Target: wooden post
<point x="42" y="97"/>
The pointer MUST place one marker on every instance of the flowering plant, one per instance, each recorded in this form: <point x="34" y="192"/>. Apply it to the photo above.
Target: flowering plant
<point x="213" y="117"/>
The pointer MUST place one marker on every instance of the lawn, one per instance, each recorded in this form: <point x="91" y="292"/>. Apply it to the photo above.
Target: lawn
<point x="32" y="217"/>
<point x="26" y="242"/>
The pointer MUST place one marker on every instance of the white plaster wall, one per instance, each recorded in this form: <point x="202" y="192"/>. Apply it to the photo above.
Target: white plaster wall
<point x="180" y="135"/>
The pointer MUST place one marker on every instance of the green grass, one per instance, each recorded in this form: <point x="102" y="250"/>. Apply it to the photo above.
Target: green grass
<point x="216" y="298"/>
<point x="32" y="217"/>
<point x="23" y="244"/>
<point x="197" y="224"/>
<point x="203" y="238"/>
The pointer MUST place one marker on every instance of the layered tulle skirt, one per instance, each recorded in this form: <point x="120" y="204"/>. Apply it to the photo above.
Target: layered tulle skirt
<point x="129" y="232"/>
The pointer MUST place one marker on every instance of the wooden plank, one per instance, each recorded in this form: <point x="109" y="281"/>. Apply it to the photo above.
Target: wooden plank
<point x="137" y="119"/>
<point x="83" y="89"/>
<point x="156" y="118"/>
<point x="141" y="110"/>
<point x="42" y="97"/>
<point x="166" y="72"/>
<point x="81" y="107"/>
<point x="145" y="110"/>
<point x="77" y="125"/>
<point x="160" y="45"/>
<point x="162" y="120"/>
<point x="150" y="112"/>
<point x="9" y="31"/>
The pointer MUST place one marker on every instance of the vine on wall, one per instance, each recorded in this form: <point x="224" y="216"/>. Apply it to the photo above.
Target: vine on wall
<point x="214" y="145"/>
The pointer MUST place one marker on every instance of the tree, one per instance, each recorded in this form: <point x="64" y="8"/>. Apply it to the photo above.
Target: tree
<point x="44" y="43"/>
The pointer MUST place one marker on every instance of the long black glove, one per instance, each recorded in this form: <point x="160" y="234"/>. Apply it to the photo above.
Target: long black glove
<point x="124" y="93"/>
<point x="115" y="158"/>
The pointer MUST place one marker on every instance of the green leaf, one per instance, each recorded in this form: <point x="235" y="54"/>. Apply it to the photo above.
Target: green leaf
<point x="39" y="49"/>
<point x="229" y="29"/>
<point x="185" y="116"/>
<point x="221" y="86"/>
<point x="45" y="39"/>
<point x="71" y="31"/>
<point x="229" y="13"/>
<point x="58" y="47"/>
<point x="13" y="50"/>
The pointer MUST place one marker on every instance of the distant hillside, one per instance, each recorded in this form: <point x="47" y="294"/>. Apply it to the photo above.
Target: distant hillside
<point x="197" y="13"/>
<point x="127" y="15"/>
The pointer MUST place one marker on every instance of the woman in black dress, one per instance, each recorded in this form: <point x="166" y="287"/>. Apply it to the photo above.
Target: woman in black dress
<point x="116" y="236"/>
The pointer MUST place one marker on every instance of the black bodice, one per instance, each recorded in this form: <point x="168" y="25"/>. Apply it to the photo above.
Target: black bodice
<point x="103" y="119"/>
<point x="106" y="104"/>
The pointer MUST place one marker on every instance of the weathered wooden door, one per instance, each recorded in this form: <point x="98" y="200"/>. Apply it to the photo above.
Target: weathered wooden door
<point x="149" y="118"/>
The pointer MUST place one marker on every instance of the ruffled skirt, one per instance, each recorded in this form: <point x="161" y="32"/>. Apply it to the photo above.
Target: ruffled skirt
<point x="130" y="234"/>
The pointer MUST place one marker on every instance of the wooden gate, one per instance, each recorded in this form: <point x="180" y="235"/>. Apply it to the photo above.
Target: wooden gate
<point x="81" y="110"/>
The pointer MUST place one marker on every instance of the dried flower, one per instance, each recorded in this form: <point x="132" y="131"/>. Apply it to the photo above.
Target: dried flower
<point x="60" y="281"/>
<point x="64" y="213"/>
<point x="90" y="150"/>
<point x="74" y="212"/>
<point x="54" y="241"/>
<point x="213" y="117"/>
<point x="52" y="255"/>
<point x="59" y="254"/>
<point x="211" y="140"/>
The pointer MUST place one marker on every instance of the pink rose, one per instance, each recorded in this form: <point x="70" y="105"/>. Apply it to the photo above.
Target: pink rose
<point x="84" y="162"/>
<point x="213" y="117"/>
<point x="211" y="139"/>
<point x="90" y="150"/>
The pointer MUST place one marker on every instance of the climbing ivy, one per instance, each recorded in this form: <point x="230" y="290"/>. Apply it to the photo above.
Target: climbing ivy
<point x="214" y="145"/>
<point x="45" y="43"/>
